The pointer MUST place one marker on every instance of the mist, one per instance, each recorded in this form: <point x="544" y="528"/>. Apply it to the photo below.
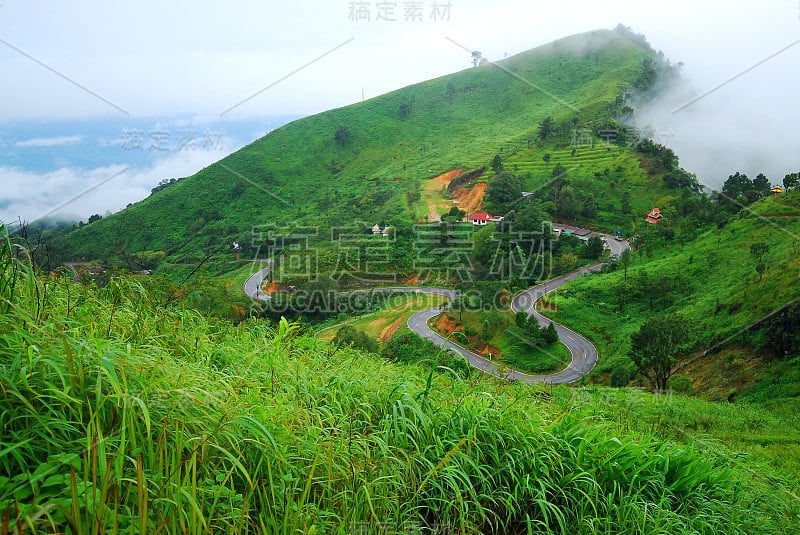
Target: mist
<point x="739" y="116"/>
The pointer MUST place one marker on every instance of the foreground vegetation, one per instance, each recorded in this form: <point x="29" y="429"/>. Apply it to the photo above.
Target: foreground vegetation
<point x="125" y="412"/>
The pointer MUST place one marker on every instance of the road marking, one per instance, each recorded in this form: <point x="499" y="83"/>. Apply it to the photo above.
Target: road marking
<point x="571" y="338"/>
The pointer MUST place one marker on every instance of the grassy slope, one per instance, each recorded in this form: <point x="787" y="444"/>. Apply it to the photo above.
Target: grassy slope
<point x="605" y="171"/>
<point x="300" y="173"/>
<point x="121" y="414"/>
<point x="718" y="290"/>
<point x="392" y="317"/>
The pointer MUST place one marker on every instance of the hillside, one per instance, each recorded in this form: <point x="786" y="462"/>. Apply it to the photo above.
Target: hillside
<point x="365" y="163"/>
<point x="740" y="323"/>
<point x="123" y="411"/>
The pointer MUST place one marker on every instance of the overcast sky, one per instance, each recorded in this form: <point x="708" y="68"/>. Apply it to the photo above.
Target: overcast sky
<point x="91" y="58"/>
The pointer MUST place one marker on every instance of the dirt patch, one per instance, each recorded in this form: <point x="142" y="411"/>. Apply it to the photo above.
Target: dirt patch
<point x="489" y="350"/>
<point x="544" y="305"/>
<point x="389" y="330"/>
<point x="411" y="281"/>
<point x="431" y="192"/>
<point x="274" y="288"/>
<point x="470" y="200"/>
<point x="446" y="325"/>
<point x="723" y="376"/>
<point x="445" y="178"/>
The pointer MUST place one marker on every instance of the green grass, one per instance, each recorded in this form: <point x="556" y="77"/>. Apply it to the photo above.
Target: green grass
<point x="121" y="414"/>
<point x="604" y="171"/>
<point x="392" y="316"/>
<point x="519" y="353"/>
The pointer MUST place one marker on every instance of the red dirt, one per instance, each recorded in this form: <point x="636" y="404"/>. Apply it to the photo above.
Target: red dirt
<point x="445" y="178"/>
<point x="542" y="305"/>
<point x="446" y="325"/>
<point x="489" y="349"/>
<point x="470" y="200"/>
<point x="411" y="281"/>
<point x="389" y="330"/>
<point x="274" y="287"/>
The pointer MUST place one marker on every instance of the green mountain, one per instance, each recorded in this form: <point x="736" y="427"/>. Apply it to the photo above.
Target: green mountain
<point x="366" y="162"/>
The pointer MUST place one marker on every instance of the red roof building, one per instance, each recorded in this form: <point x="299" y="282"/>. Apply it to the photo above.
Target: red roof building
<point x="481" y="218"/>
<point x="653" y="216"/>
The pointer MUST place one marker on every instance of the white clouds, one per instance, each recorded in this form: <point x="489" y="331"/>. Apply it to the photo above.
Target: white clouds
<point x="75" y="194"/>
<point x="49" y="141"/>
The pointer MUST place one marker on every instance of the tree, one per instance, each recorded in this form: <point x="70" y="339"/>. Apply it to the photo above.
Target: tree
<point x="594" y="247"/>
<point x="349" y="336"/>
<point x="761" y="267"/>
<point x="566" y="203"/>
<point x="342" y="135"/>
<point x="736" y="186"/>
<point x="792" y="180"/>
<point x="405" y="110"/>
<point x="590" y="206"/>
<point x="503" y="192"/>
<point x="497" y="164"/>
<point x="531" y="217"/>
<point x="625" y="259"/>
<point x="455" y="214"/>
<point x="550" y="335"/>
<point x="757" y="252"/>
<point x="546" y="128"/>
<point x="476" y="58"/>
<point x="521" y="319"/>
<point x="655" y="344"/>
<point x="761" y="185"/>
<point x="626" y="202"/>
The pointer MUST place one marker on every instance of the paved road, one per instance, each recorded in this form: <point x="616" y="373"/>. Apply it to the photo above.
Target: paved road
<point x="252" y="286"/>
<point x="582" y="351"/>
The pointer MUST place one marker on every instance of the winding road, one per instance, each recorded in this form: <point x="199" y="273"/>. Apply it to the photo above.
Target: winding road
<point x="583" y="352"/>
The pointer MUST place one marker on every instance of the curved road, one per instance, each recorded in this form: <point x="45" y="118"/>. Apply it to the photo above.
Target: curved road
<point x="582" y="351"/>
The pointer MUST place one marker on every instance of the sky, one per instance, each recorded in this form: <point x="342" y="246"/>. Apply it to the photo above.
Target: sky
<point x="222" y="67"/>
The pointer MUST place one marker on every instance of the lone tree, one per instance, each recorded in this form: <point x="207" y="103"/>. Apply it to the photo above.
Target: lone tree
<point x="757" y="251"/>
<point x="546" y="128"/>
<point x="654" y="346"/>
<point x="476" y="58"/>
<point x="342" y="135"/>
<point x="497" y="164"/>
<point x="792" y="180"/>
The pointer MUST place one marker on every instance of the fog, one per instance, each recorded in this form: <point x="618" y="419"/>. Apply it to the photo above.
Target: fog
<point x="745" y="121"/>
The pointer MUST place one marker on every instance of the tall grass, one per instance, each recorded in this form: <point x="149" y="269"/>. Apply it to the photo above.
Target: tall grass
<point x="118" y="415"/>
